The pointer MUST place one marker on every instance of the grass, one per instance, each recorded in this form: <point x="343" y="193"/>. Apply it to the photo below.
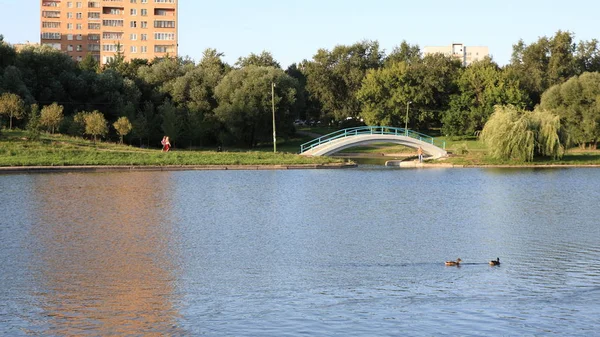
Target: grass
<point x="59" y="150"/>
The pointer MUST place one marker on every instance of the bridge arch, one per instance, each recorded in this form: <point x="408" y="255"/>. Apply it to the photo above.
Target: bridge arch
<point x="342" y="139"/>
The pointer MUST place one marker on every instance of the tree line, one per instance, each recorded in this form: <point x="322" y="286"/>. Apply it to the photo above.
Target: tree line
<point x="210" y="102"/>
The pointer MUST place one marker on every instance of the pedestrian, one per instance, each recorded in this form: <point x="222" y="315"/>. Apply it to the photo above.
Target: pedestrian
<point x="167" y="145"/>
<point x="420" y="154"/>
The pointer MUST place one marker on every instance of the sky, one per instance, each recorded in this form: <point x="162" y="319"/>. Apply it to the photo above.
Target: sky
<point x="293" y="30"/>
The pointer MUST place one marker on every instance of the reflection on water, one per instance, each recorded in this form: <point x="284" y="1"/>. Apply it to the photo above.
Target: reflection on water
<point x="104" y="242"/>
<point x="311" y="252"/>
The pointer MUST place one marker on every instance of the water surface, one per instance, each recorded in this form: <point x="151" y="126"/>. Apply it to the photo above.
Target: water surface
<point x="320" y="252"/>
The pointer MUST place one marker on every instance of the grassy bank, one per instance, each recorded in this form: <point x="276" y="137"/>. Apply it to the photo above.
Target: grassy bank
<point x="58" y="150"/>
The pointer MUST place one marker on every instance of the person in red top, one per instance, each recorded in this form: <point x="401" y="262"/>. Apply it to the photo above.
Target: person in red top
<point x="166" y="144"/>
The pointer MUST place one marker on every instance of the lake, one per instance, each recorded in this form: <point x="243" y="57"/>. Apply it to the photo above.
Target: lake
<point x="354" y="252"/>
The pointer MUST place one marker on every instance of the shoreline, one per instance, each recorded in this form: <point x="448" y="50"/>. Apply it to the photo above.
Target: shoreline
<point x="147" y="168"/>
<point x="151" y="168"/>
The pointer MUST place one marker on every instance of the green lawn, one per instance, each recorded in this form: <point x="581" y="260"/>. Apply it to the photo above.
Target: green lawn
<point x="57" y="150"/>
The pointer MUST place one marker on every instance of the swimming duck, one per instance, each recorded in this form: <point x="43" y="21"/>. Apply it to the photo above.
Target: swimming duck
<point x="495" y="262"/>
<point x="454" y="263"/>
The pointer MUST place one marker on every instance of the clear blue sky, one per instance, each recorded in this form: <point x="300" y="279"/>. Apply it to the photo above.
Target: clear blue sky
<point x="295" y="30"/>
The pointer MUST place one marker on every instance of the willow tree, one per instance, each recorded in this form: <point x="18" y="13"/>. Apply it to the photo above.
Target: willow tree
<point x="515" y="134"/>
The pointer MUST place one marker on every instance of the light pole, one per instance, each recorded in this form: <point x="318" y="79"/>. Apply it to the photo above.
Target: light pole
<point x="273" y="106"/>
<point x="406" y="120"/>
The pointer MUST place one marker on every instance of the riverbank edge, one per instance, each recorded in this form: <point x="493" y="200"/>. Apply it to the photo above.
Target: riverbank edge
<point x="145" y="168"/>
<point x="448" y="165"/>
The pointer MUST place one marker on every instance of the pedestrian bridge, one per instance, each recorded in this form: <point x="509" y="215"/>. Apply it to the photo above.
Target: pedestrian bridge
<point x="363" y="135"/>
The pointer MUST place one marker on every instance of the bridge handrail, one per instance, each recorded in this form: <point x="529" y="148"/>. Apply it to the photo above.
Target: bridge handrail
<point x="364" y="130"/>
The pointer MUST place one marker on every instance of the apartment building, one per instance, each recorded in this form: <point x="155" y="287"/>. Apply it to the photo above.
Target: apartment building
<point x="137" y="28"/>
<point x="465" y="54"/>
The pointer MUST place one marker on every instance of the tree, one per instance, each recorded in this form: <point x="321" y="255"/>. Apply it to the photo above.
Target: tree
<point x="244" y="97"/>
<point x="264" y="59"/>
<point x="95" y="124"/>
<point x="33" y="125"/>
<point x="171" y="125"/>
<point x="52" y="116"/>
<point x="334" y="78"/>
<point x="89" y="63"/>
<point x="123" y="127"/>
<point x="404" y="53"/>
<point x="511" y="133"/>
<point x="482" y="85"/>
<point x="12" y="106"/>
<point x="577" y="102"/>
<point x="427" y="83"/>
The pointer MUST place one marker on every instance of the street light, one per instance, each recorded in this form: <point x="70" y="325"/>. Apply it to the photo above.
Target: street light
<point x="273" y="105"/>
<point x="406" y="120"/>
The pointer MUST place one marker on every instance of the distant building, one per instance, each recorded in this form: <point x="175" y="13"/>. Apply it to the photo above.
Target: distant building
<point x="20" y="46"/>
<point x="465" y="54"/>
<point x="136" y="28"/>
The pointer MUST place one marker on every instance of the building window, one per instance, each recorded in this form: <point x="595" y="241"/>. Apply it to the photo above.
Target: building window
<point x="144" y="49"/>
<point x="164" y="24"/>
<point x="133" y="49"/>
<point x="69" y="4"/>
<point x="133" y="37"/>
<point x="78" y="4"/>
<point x="133" y="12"/>
<point x="51" y="36"/>
<point x="70" y="47"/>
<point x="79" y="16"/>
<point x="69" y="26"/>
<point x="144" y="12"/>
<point x="69" y="15"/>
<point x="78" y="26"/>
<point x="133" y="24"/>
<point x="144" y="37"/>
<point x="144" y="24"/>
<point x="69" y="37"/>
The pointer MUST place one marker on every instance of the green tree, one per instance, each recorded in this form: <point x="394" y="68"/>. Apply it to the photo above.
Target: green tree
<point x="89" y="63"/>
<point x="334" y="78"/>
<point x="427" y="83"/>
<point x="245" y="103"/>
<point x="12" y="106"/>
<point x="123" y="127"/>
<point x="52" y="116"/>
<point x="577" y="102"/>
<point x="404" y="53"/>
<point x="33" y="125"/>
<point x="264" y="59"/>
<point x="171" y="125"/>
<point x="481" y="86"/>
<point x="95" y="124"/>
<point x="514" y="134"/>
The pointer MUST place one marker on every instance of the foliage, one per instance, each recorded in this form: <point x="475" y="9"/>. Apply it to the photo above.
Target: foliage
<point x="95" y="124"/>
<point x="334" y="78"/>
<point x="481" y="86"/>
<point x="12" y="106"/>
<point x="33" y="125"/>
<point x="265" y="59"/>
<point x="577" y="102"/>
<point x="245" y="103"/>
<point x="511" y="133"/>
<point x="386" y="92"/>
<point x="52" y="116"/>
<point x="123" y="127"/>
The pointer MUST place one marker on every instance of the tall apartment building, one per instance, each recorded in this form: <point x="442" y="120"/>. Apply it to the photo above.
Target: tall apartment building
<point x="137" y="28"/>
<point x="466" y="55"/>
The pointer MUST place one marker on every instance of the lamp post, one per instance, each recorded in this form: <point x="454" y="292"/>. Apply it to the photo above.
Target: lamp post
<point x="273" y="106"/>
<point x="406" y="120"/>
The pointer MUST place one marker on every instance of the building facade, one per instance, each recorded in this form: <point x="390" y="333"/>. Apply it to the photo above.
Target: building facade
<point x="142" y="29"/>
<point x="465" y="54"/>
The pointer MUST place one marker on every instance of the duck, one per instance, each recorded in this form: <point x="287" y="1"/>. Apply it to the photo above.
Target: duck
<point x="454" y="263"/>
<point x="495" y="262"/>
